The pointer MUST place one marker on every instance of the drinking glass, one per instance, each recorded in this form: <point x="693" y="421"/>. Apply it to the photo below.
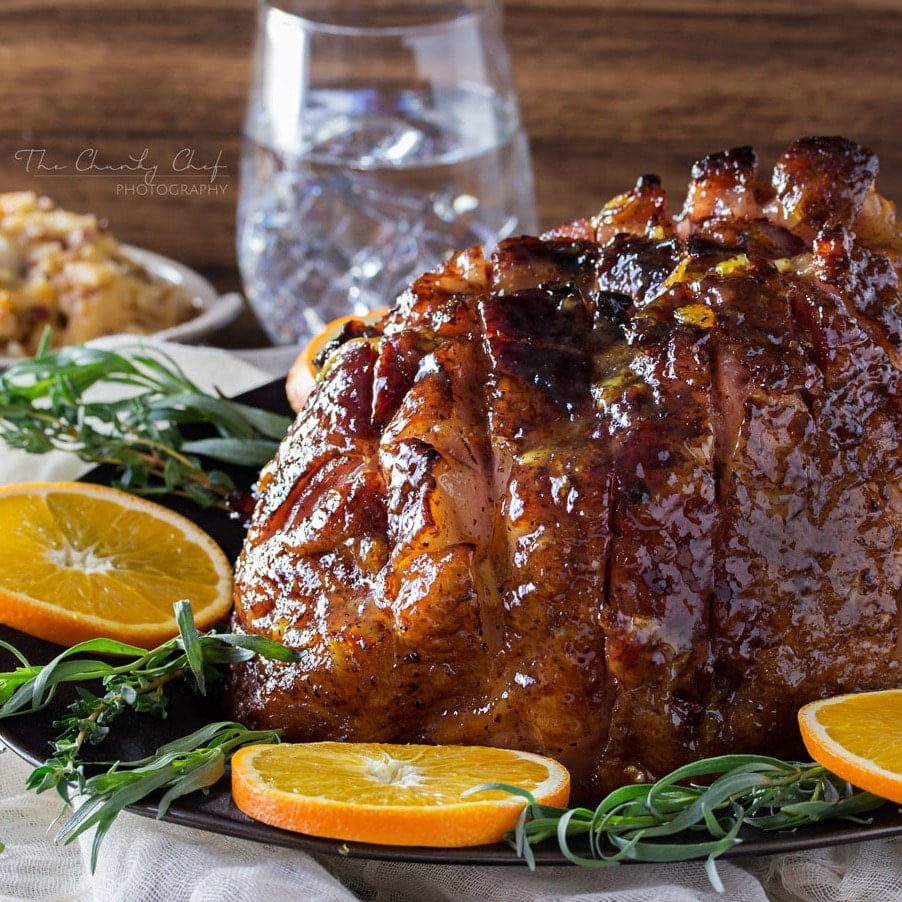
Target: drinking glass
<point x="379" y="138"/>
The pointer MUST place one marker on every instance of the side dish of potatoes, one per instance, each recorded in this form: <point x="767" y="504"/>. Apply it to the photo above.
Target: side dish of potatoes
<point x="66" y="271"/>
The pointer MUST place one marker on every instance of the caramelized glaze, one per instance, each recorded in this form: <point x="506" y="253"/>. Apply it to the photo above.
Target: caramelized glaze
<point x="627" y="494"/>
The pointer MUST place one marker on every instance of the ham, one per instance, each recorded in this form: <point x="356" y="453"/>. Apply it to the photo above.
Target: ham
<point x="626" y="494"/>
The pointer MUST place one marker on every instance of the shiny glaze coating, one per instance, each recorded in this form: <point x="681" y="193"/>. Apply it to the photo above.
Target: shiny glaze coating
<point x="627" y="494"/>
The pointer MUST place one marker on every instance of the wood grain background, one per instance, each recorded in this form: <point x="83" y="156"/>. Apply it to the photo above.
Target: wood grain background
<point x="609" y="90"/>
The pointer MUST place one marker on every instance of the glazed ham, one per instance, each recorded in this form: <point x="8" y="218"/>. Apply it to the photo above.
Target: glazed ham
<point x="627" y="494"/>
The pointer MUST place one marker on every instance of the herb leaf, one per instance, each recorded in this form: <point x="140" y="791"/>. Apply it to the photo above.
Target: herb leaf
<point x="134" y="679"/>
<point x="195" y="762"/>
<point x="47" y="403"/>
<point x="656" y="822"/>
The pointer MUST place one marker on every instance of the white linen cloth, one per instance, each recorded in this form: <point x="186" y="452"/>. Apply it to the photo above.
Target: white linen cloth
<point x="143" y="860"/>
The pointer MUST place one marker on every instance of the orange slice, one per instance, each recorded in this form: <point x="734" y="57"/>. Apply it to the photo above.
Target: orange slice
<point x="302" y="375"/>
<point x="859" y="738"/>
<point x="318" y="343"/>
<point x="406" y="795"/>
<point x="78" y="561"/>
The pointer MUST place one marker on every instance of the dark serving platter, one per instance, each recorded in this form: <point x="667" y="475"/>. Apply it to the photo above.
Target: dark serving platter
<point x="136" y="736"/>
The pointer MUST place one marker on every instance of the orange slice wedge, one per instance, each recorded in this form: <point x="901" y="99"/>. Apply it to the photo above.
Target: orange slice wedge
<point x="79" y="561"/>
<point x="333" y="330"/>
<point x="302" y="375"/>
<point x="410" y="795"/>
<point x="859" y="738"/>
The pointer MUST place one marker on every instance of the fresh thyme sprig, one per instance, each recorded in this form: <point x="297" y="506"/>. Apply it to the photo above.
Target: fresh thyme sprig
<point x="651" y="822"/>
<point x="45" y="404"/>
<point x="136" y="682"/>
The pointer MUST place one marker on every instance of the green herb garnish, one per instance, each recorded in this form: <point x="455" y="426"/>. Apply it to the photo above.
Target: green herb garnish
<point x="674" y="819"/>
<point x="136" y="682"/>
<point x="651" y="822"/>
<point x="45" y="404"/>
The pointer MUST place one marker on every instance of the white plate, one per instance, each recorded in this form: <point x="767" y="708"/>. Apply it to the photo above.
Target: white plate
<point x="216" y="310"/>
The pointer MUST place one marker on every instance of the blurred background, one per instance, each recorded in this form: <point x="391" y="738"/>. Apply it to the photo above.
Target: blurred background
<point x="608" y="91"/>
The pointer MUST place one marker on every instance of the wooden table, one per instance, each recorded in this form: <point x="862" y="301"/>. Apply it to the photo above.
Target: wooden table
<point x="609" y="91"/>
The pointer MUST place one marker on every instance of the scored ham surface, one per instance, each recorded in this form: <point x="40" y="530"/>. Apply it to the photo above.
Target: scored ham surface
<point x="627" y="494"/>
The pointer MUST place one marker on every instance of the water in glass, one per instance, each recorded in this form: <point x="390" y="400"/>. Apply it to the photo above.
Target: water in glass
<point x="383" y="183"/>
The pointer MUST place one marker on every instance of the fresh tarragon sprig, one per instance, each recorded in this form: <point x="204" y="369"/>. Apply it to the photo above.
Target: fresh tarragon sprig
<point x="47" y="403"/>
<point x="131" y="678"/>
<point x="651" y="822"/>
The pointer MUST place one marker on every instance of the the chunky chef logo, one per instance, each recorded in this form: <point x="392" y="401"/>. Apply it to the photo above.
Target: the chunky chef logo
<point x="183" y="173"/>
